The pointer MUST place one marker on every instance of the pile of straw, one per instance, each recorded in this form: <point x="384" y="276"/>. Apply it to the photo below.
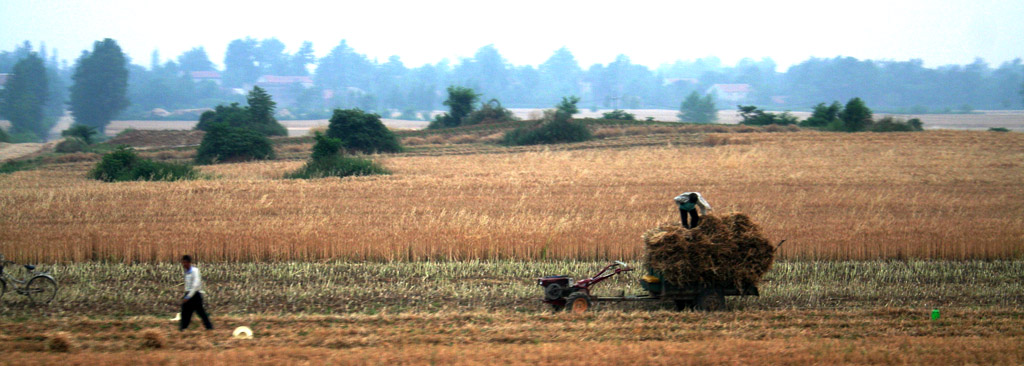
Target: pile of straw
<point x="720" y="251"/>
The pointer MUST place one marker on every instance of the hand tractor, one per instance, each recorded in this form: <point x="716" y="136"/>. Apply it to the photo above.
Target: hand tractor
<point x="562" y="293"/>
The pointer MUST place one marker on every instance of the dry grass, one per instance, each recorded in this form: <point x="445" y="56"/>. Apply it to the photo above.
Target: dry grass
<point x="881" y="336"/>
<point x="951" y="195"/>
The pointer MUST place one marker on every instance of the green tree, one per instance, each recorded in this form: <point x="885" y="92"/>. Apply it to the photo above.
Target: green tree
<point x="257" y="116"/>
<point x="100" y="87"/>
<point x="25" y="94"/>
<point x="261" y="110"/>
<point x="194" y="60"/>
<point x="697" y="109"/>
<point x="461" y="102"/>
<point x="361" y="131"/>
<point x="856" y="116"/>
<point x="568" y="106"/>
<point x="240" y="63"/>
<point x="823" y="115"/>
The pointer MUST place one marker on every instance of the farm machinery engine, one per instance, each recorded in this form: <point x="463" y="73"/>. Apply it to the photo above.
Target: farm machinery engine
<point x="576" y="297"/>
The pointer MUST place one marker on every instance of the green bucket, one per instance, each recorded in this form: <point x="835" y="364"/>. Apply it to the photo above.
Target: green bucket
<point x="935" y="314"/>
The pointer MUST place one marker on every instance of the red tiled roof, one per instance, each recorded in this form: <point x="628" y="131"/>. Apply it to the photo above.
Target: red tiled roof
<point x="205" y="75"/>
<point x="275" y="79"/>
<point x="732" y="88"/>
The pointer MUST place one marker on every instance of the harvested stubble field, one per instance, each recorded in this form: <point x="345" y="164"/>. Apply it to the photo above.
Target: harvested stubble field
<point x="475" y="312"/>
<point x="940" y="195"/>
<point x="97" y="289"/>
<point x="783" y="337"/>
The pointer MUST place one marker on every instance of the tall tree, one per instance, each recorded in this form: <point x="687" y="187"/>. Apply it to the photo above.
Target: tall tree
<point x="343" y="68"/>
<point x="856" y="116"/>
<point x="301" y="59"/>
<point x="240" y="63"/>
<point x="560" y="74"/>
<point x="100" y="87"/>
<point x="24" y="96"/>
<point x="195" y="60"/>
<point x="271" y="57"/>
<point x="698" y="109"/>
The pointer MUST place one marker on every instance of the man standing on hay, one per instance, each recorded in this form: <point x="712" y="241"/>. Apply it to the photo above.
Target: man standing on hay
<point x="688" y="203"/>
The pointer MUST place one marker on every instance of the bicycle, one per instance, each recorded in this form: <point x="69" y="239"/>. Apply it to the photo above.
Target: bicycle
<point x="40" y="287"/>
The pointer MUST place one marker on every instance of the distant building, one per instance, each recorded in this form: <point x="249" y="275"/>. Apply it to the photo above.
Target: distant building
<point x="732" y="93"/>
<point x="198" y="76"/>
<point x="284" y="89"/>
<point x="3" y="80"/>
<point x="680" y="82"/>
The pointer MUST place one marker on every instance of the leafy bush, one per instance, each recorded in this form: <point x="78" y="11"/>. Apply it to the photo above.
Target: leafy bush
<point x="556" y="131"/>
<point x="257" y="116"/>
<point x="490" y="112"/>
<point x="71" y="145"/>
<point x="998" y="129"/>
<point x="557" y="127"/>
<point x="12" y="166"/>
<point x="84" y="133"/>
<point x="326" y="162"/>
<point x="337" y="166"/>
<point x="823" y="115"/>
<point x="890" y="124"/>
<point x="756" y="117"/>
<point x="223" y="142"/>
<point x="620" y="115"/>
<point x="123" y="164"/>
<point x="361" y="131"/>
<point x="4" y="137"/>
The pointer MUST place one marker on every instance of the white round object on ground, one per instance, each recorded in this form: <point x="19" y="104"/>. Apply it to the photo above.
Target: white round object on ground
<point x="177" y="317"/>
<point x="242" y="332"/>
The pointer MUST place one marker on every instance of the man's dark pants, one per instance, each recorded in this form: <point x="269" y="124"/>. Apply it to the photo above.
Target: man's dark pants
<point x="694" y="219"/>
<point x="195" y="304"/>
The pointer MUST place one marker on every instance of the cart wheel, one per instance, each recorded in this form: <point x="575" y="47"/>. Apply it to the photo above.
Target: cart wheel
<point x="684" y="305"/>
<point x="553" y="291"/>
<point x="710" y="300"/>
<point x="578" y="303"/>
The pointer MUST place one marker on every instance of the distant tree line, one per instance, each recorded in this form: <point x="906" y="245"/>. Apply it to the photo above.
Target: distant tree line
<point x="347" y="79"/>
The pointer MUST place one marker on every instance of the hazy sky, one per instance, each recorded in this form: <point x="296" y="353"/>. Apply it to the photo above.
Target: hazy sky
<point x="527" y="32"/>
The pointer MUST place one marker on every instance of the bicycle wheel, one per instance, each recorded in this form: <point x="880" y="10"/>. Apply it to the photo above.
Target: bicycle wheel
<point x="41" y="289"/>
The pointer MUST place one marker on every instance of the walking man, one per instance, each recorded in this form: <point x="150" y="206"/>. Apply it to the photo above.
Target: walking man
<point x="193" y="300"/>
<point x="688" y="203"/>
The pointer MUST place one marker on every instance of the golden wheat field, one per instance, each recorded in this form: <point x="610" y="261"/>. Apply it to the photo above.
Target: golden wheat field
<point x="942" y="195"/>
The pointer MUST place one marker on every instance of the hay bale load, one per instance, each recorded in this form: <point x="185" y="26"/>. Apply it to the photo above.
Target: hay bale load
<point x="721" y="251"/>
